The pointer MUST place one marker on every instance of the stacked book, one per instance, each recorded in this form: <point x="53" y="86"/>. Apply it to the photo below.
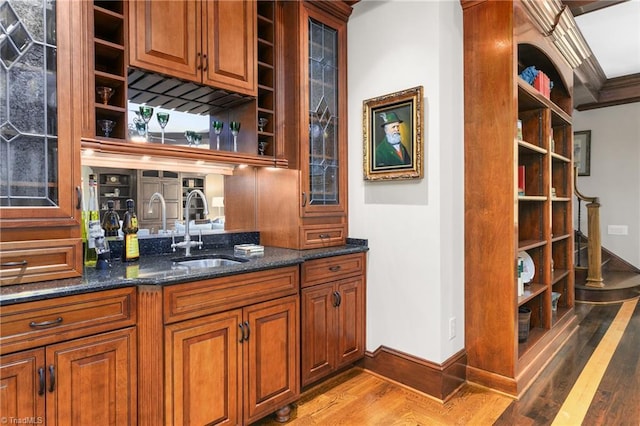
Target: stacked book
<point x="248" y="250"/>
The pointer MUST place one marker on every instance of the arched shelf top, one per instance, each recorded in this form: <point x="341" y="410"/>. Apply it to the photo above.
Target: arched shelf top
<point x="562" y="92"/>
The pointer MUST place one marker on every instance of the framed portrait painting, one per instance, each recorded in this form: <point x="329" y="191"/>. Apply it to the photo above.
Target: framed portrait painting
<point x="582" y="152"/>
<point x="392" y="128"/>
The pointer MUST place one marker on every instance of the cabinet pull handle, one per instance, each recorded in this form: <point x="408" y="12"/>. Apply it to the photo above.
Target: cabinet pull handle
<point x="41" y="379"/>
<point x="335" y="299"/>
<point x="10" y="264"/>
<point x="198" y="61"/>
<point x="52" y="378"/>
<point x="42" y="324"/>
<point x="206" y="62"/>
<point x="79" y="197"/>
<point x="246" y="324"/>
<point x="339" y="298"/>
<point x="241" y="332"/>
<point x="335" y="268"/>
<point x="324" y="236"/>
<point x="304" y="199"/>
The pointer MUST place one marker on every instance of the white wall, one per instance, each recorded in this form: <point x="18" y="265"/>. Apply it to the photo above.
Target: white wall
<point x="415" y="228"/>
<point x="615" y="175"/>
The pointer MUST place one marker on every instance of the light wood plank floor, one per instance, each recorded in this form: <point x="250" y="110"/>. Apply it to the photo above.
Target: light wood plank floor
<point x="594" y="380"/>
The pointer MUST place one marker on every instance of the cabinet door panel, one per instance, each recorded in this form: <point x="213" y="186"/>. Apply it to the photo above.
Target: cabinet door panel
<point x="271" y="357"/>
<point x="20" y="385"/>
<point x="94" y="380"/>
<point x="318" y="335"/>
<point x="350" y="321"/>
<point x="165" y="37"/>
<point x="229" y="42"/>
<point x="203" y="365"/>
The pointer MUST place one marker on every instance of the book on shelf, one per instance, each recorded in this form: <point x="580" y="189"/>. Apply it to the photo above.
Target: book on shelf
<point x="521" y="175"/>
<point x="543" y="84"/>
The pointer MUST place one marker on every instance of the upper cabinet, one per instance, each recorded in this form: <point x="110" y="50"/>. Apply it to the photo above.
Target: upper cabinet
<point x="518" y="180"/>
<point x="210" y="42"/>
<point x="39" y="142"/>
<point x="306" y="206"/>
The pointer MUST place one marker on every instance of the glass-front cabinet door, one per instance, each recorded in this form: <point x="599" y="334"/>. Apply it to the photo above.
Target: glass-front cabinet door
<point x="324" y="175"/>
<point x="39" y="140"/>
<point x="36" y="177"/>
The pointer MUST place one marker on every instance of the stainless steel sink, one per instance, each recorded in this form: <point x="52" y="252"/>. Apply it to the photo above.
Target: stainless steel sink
<point x="214" y="261"/>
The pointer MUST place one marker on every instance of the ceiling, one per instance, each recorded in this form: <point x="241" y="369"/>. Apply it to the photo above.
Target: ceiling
<point x="611" y="76"/>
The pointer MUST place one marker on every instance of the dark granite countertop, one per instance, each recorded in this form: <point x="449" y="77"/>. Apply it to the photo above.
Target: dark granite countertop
<point x="161" y="270"/>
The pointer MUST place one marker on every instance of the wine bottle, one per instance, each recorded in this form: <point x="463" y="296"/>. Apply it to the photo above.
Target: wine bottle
<point x="110" y="221"/>
<point x="130" y="230"/>
<point x="93" y="223"/>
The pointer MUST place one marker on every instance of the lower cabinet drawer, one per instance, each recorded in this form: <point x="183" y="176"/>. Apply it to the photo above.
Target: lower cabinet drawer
<point x="317" y="237"/>
<point x="317" y="271"/>
<point x="191" y="300"/>
<point x="31" y="261"/>
<point x="32" y="324"/>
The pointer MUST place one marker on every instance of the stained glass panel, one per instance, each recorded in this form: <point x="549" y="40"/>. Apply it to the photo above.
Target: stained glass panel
<point x="28" y="104"/>
<point x="323" y="115"/>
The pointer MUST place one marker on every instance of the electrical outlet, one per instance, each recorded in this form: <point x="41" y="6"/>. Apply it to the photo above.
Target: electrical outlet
<point x="452" y="328"/>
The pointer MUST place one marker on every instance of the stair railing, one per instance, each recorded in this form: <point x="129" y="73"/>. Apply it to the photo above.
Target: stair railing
<point x="594" y="243"/>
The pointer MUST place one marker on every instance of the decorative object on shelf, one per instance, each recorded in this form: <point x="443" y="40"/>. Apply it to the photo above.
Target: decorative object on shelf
<point x="146" y="112"/>
<point x="393" y="135"/>
<point x="537" y="79"/>
<point x="555" y="296"/>
<point x="106" y="126"/>
<point x="520" y="280"/>
<point x="524" y="318"/>
<point x="262" y="122"/>
<point x="519" y="130"/>
<point x="529" y="269"/>
<point x="104" y="93"/>
<point x="262" y="147"/>
<point x="521" y="179"/>
<point x="582" y="152"/>
<point x="217" y="128"/>
<point x="235" y="129"/>
<point x="163" y="119"/>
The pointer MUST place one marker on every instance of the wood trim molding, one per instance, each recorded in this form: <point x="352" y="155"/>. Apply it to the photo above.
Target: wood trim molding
<point x="440" y="381"/>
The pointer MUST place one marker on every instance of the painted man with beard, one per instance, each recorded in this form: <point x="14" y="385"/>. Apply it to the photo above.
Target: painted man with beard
<point x="390" y="151"/>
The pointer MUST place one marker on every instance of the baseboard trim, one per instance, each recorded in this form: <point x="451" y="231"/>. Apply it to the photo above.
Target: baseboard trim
<point x="440" y="381"/>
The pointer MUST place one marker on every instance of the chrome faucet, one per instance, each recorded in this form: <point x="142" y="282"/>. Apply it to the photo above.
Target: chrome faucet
<point x="187" y="243"/>
<point x="164" y="208"/>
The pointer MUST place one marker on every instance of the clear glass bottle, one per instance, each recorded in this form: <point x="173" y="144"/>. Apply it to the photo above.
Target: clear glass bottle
<point x="93" y="223"/>
<point x="130" y="230"/>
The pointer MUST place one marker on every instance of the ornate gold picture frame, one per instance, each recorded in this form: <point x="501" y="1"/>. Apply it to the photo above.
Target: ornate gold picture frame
<point x="392" y="128"/>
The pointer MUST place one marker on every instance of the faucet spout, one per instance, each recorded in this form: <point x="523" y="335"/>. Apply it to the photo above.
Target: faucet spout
<point x="163" y="205"/>
<point x="187" y="243"/>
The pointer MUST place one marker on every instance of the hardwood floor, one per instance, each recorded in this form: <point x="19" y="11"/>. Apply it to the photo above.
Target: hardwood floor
<point x="594" y="380"/>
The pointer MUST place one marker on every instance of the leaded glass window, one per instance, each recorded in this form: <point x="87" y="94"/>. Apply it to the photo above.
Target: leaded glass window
<point x="323" y="114"/>
<point x="28" y="103"/>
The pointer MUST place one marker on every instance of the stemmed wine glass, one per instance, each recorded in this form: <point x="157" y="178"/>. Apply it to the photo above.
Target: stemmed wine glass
<point x="106" y="126"/>
<point x="262" y="147"/>
<point x="163" y="119"/>
<point x="146" y="112"/>
<point x="197" y="138"/>
<point x="217" y="128"/>
<point x="235" y="129"/>
<point x="262" y="122"/>
<point x="190" y="135"/>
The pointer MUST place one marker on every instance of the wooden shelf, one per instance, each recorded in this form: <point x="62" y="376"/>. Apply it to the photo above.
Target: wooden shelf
<point x="541" y="222"/>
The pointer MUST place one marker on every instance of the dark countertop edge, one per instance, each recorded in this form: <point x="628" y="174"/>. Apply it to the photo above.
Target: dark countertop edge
<point x="67" y="287"/>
